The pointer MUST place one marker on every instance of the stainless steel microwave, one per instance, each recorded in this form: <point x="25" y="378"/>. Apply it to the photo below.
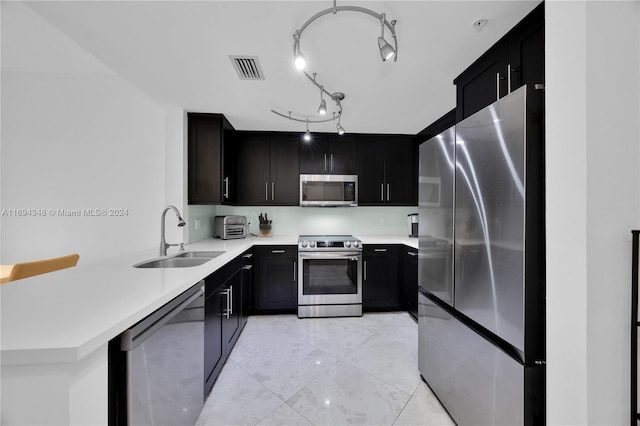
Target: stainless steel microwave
<point x="328" y="190"/>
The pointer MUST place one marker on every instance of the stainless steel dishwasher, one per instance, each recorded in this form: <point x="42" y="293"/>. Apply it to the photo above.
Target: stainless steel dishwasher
<point x="156" y="367"/>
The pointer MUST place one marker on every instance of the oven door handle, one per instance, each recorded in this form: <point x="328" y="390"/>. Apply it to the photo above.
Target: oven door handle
<point x="330" y="255"/>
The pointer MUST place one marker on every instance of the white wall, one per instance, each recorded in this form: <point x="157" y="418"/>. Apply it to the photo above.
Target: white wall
<point x="74" y="136"/>
<point x="175" y="178"/>
<point x="593" y="202"/>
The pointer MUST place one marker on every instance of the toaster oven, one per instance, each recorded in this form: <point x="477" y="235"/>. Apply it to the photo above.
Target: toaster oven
<point x="229" y="227"/>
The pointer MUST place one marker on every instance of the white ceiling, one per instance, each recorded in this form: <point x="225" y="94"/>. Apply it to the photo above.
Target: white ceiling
<point x="177" y="52"/>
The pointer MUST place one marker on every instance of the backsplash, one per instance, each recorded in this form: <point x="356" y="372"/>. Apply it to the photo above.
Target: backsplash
<point x="313" y="220"/>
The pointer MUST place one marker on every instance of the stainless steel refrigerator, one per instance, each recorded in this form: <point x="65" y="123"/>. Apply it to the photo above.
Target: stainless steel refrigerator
<point x="481" y="265"/>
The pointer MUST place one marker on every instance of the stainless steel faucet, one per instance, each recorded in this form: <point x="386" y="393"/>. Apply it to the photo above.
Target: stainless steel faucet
<point x="163" y="243"/>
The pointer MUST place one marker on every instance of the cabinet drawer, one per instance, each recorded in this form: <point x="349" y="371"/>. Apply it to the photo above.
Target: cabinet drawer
<point x="276" y="250"/>
<point x="380" y="250"/>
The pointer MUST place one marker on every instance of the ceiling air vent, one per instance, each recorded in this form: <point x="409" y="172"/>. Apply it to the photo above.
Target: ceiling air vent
<point x="247" y="67"/>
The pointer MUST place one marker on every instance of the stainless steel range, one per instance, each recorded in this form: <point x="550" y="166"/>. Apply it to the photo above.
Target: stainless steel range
<point x="329" y="276"/>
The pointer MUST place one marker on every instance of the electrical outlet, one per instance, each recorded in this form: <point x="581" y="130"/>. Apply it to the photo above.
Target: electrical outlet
<point x="197" y="224"/>
<point x="383" y="220"/>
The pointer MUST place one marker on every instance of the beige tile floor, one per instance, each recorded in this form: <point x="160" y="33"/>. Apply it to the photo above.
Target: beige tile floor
<point x="324" y="371"/>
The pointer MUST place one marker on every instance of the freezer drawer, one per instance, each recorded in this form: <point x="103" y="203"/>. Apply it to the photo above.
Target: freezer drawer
<point x="475" y="380"/>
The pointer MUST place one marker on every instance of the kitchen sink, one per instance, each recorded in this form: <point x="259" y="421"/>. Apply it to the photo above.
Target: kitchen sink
<point x="181" y="260"/>
<point x="199" y="254"/>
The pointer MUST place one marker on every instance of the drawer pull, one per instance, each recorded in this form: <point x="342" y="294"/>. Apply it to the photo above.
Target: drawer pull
<point x="277" y="251"/>
<point x="381" y="249"/>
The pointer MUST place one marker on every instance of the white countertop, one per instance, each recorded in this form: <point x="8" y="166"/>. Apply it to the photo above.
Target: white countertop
<point x="65" y="315"/>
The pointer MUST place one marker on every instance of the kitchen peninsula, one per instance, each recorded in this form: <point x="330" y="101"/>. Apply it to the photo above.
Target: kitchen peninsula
<point x="56" y="327"/>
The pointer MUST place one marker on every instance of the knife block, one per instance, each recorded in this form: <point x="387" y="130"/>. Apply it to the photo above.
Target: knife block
<point x="265" y="230"/>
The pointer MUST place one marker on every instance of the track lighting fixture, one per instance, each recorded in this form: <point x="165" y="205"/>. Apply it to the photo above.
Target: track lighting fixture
<point x="307" y="135"/>
<point x="298" y="60"/>
<point x="322" y="109"/>
<point x="387" y="51"/>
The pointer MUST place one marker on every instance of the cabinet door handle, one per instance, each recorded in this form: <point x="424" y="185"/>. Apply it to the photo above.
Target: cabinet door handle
<point x="266" y="191"/>
<point x="277" y="251"/>
<point x="295" y="275"/>
<point x="226" y="187"/>
<point x="325" y="162"/>
<point x="247" y="267"/>
<point x="382" y="192"/>
<point x="497" y="86"/>
<point x="331" y="162"/>
<point x="230" y="301"/>
<point x="412" y="253"/>
<point x="387" y="192"/>
<point x="508" y="78"/>
<point x="273" y="190"/>
<point x="226" y="310"/>
<point x="381" y="249"/>
<point x="365" y="270"/>
<point x="247" y="256"/>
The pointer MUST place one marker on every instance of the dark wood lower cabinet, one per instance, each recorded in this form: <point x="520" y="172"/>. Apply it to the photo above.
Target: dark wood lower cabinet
<point x="223" y="318"/>
<point x="213" y="342"/>
<point x="276" y="279"/>
<point x="380" y="285"/>
<point x="411" y="280"/>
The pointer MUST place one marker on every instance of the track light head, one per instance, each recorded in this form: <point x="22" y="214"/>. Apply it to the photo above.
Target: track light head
<point x="300" y="62"/>
<point x="386" y="50"/>
<point x="322" y="109"/>
<point x="307" y="136"/>
<point x="340" y="129"/>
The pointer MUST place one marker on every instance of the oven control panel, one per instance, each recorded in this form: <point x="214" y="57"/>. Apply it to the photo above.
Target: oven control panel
<point x="329" y="243"/>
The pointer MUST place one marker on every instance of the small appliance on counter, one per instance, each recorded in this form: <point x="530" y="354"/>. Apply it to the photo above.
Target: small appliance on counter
<point x="412" y="222"/>
<point x="229" y="227"/>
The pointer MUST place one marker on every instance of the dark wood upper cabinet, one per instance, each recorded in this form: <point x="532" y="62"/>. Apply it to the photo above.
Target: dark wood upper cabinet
<point x="208" y="174"/>
<point x="515" y="60"/>
<point x="328" y="153"/>
<point x="440" y="125"/>
<point x="268" y="171"/>
<point x="285" y="169"/>
<point x="387" y="170"/>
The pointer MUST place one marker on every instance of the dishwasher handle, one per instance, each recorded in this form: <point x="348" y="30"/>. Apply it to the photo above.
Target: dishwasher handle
<point x="133" y="337"/>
